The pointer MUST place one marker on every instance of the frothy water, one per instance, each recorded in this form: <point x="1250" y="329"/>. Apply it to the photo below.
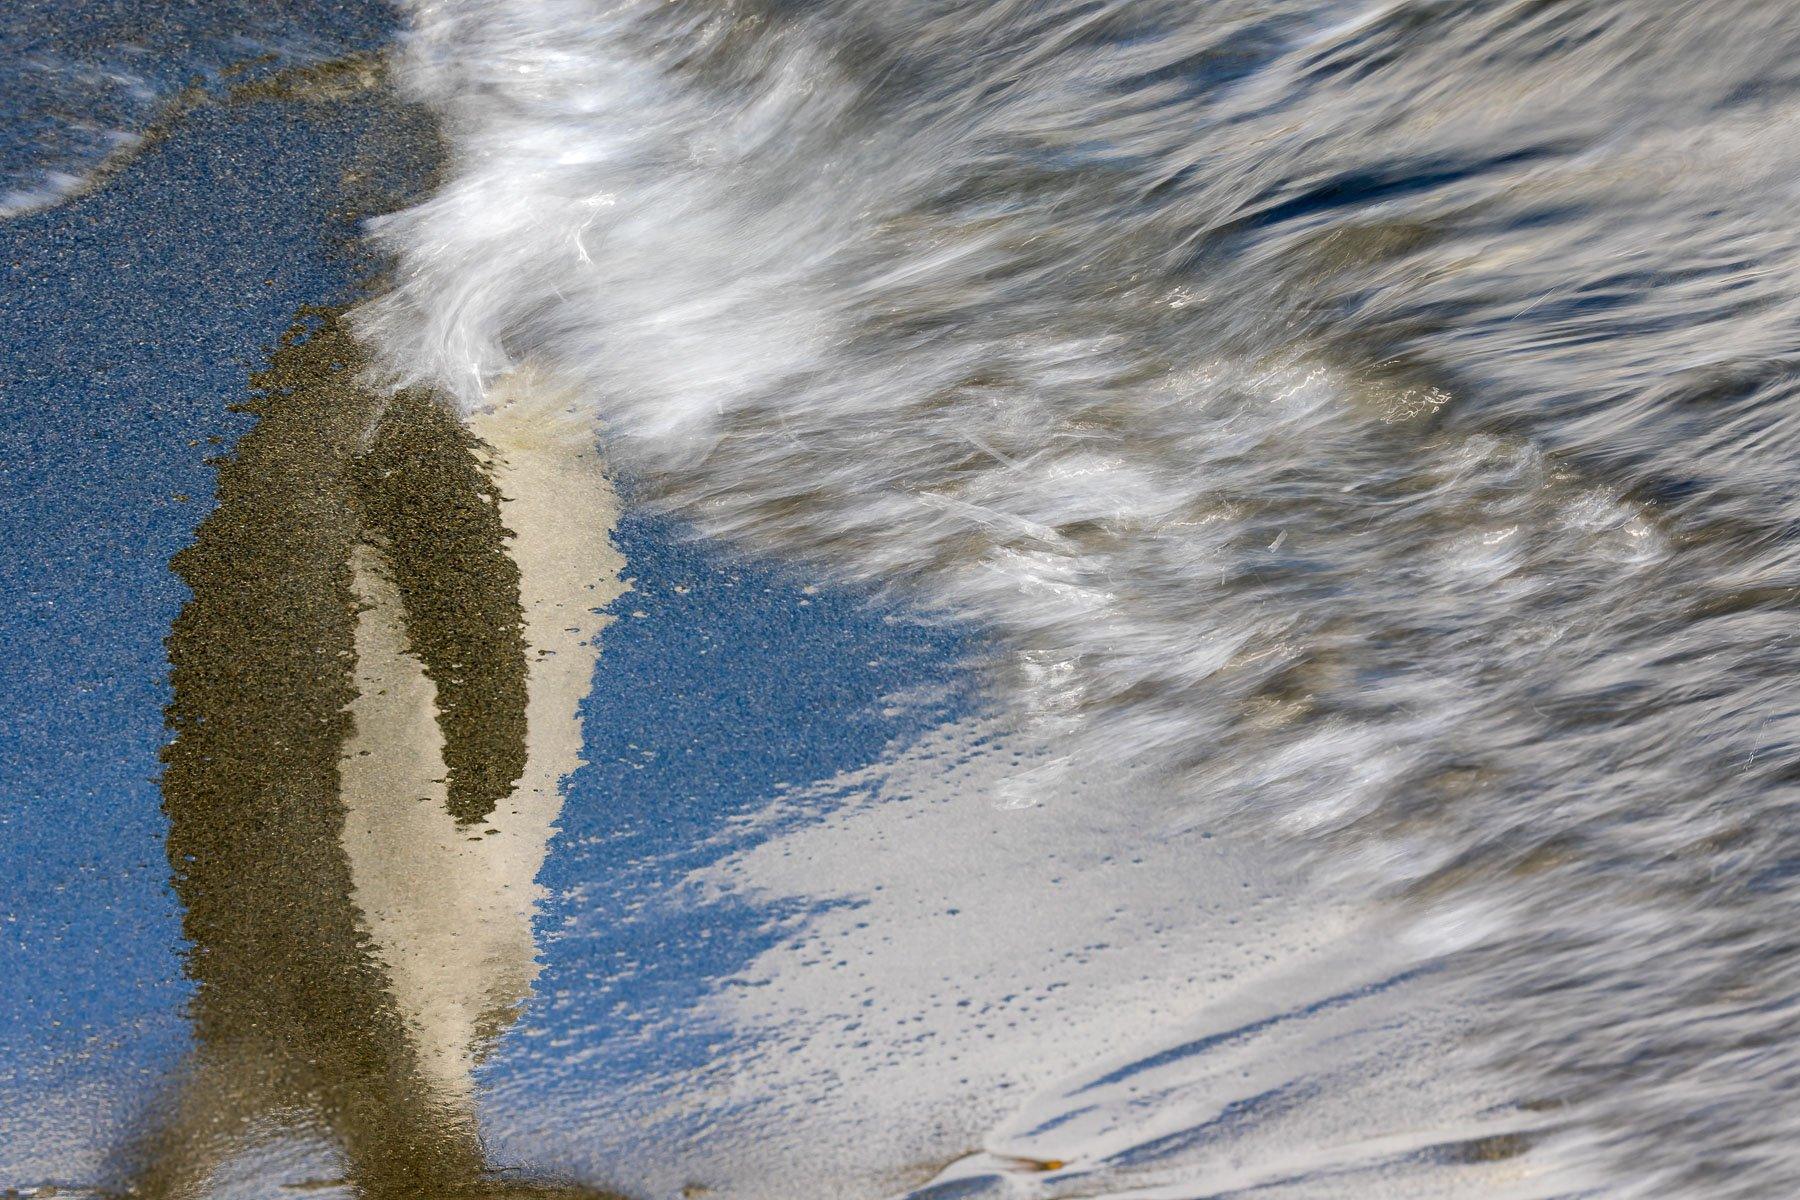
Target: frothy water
<point x="1370" y="420"/>
<point x="1111" y="1014"/>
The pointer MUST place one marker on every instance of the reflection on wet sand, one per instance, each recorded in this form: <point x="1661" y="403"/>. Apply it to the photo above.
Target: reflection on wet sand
<point x="376" y="691"/>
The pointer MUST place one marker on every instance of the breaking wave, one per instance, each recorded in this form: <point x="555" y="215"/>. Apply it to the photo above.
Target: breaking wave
<point x="1376" y="417"/>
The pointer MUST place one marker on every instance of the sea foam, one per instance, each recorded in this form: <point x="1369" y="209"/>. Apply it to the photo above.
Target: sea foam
<point x="1371" y="417"/>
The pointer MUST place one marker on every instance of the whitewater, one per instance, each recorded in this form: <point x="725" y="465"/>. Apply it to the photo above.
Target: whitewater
<point x="1365" y="427"/>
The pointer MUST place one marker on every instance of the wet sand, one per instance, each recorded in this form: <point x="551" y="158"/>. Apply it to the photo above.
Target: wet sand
<point x="376" y="691"/>
<point x="493" y="877"/>
<point x="381" y="626"/>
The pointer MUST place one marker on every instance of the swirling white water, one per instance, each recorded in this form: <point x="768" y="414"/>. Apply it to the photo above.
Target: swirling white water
<point x="1371" y="422"/>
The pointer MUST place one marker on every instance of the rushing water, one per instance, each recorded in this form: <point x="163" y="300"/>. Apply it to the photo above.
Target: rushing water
<point x="1372" y="422"/>
<point x="1361" y="429"/>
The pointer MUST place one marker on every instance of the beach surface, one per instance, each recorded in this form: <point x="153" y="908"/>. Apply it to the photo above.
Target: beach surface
<point x="396" y="807"/>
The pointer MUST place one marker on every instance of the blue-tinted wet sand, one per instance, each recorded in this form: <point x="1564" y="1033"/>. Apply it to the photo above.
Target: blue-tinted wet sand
<point x="136" y="314"/>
